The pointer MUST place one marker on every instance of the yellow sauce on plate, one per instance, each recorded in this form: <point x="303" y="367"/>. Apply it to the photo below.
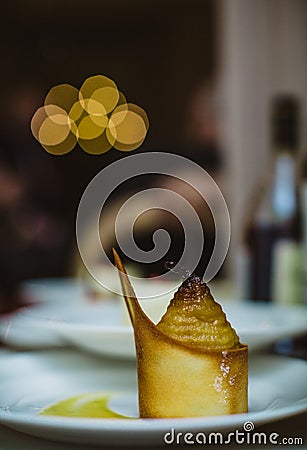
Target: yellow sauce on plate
<point x="84" y="405"/>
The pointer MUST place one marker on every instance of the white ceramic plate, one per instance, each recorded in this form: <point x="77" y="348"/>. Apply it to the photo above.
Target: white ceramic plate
<point x="32" y="380"/>
<point x="257" y="325"/>
<point x="65" y="315"/>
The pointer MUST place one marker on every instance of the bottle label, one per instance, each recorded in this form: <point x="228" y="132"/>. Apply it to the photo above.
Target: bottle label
<point x="287" y="275"/>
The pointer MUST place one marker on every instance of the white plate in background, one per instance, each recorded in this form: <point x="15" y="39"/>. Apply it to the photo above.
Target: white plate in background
<point x="64" y="314"/>
<point x="257" y="325"/>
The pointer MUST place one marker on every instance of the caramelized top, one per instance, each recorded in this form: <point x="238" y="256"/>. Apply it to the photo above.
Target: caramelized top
<point x="194" y="318"/>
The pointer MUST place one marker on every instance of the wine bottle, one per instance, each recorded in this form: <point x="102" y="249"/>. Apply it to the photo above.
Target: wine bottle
<point x="273" y="231"/>
<point x="303" y="198"/>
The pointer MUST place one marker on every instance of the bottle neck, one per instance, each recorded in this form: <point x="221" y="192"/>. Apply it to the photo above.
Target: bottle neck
<point x="284" y="187"/>
<point x="303" y="171"/>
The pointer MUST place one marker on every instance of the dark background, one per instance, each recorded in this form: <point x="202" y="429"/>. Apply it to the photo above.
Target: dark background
<point x="158" y="52"/>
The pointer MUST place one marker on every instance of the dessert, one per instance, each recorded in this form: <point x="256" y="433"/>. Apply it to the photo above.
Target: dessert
<point x="191" y="363"/>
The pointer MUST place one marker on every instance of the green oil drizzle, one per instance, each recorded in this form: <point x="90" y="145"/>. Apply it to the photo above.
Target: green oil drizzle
<point x="84" y="405"/>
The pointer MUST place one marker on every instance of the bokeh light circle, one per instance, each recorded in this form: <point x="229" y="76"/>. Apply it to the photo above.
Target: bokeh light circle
<point x="52" y="127"/>
<point x="62" y="95"/>
<point x="52" y="132"/>
<point x="106" y="96"/>
<point x="127" y="127"/>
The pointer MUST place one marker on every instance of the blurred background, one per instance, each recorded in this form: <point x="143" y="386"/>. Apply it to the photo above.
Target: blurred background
<point x="205" y="72"/>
